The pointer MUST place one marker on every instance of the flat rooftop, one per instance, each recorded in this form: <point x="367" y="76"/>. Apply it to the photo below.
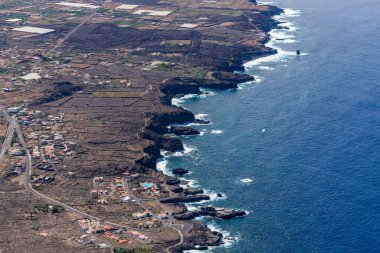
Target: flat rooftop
<point x="188" y="25"/>
<point x="13" y="20"/>
<point x="77" y="5"/>
<point x="31" y="76"/>
<point x="31" y="29"/>
<point x="127" y="7"/>
<point x="152" y="12"/>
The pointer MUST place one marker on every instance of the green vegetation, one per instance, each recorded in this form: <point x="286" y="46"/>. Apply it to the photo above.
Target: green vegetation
<point x="133" y="250"/>
<point x="216" y="42"/>
<point x="79" y="150"/>
<point x="2" y="138"/>
<point x="199" y="73"/>
<point x="178" y="42"/>
<point x="14" y="139"/>
<point x="6" y="71"/>
<point x="165" y="66"/>
<point x="118" y="94"/>
<point x="48" y="208"/>
<point x="60" y="59"/>
<point x="102" y="10"/>
<point x="37" y="188"/>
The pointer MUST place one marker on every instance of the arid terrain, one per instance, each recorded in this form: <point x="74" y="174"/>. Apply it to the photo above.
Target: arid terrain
<point x="86" y="91"/>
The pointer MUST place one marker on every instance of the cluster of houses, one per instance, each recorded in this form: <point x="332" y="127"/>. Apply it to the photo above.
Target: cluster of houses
<point x="141" y="215"/>
<point x="101" y="191"/>
<point x="85" y="239"/>
<point x="45" y="137"/>
<point x="149" y="223"/>
<point x="16" y="151"/>
<point x="17" y="170"/>
<point x="110" y="232"/>
<point x="148" y="189"/>
<point x="99" y="194"/>
<point x="39" y="180"/>
<point x="95" y="226"/>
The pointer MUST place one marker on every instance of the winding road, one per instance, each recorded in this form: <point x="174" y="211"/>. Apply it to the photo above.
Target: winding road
<point x="14" y="127"/>
<point x="169" y="223"/>
<point x="10" y="132"/>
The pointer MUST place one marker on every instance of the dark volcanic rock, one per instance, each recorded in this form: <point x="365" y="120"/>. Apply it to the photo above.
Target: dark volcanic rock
<point x="220" y="212"/>
<point x="185" y="216"/>
<point x="180" y="171"/>
<point x="177" y="116"/>
<point x="232" y="77"/>
<point x="182" y="130"/>
<point x="173" y="181"/>
<point x="163" y="142"/>
<point x="57" y="91"/>
<point x="186" y="199"/>
<point x="201" y="236"/>
<point x="204" y="247"/>
<point x="202" y="122"/>
<point x="148" y="161"/>
<point x="175" y="89"/>
<point x="157" y="127"/>
<point x="177" y="189"/>
<point x="193" y="191"/>
<point x="233" y="214"/>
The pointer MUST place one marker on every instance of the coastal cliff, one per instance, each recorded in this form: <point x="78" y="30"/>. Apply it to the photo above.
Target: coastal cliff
<point x="222" y="77"/>
<point x="97" y="113"/>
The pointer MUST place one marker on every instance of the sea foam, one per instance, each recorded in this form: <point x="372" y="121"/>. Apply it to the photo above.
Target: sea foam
<point x="227" y="242"/>
<point x="246" y="180"/>
<point x="217" y="131"/>
<point x="282" y="35"/>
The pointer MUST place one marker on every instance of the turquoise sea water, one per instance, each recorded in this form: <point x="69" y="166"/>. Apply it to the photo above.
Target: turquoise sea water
<point x="306" y="134"/>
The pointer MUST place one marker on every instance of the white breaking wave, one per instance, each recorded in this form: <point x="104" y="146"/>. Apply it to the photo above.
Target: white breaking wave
<point x="291" y="12"/>
<point x="226" y="235"/>
<point x="266" y="3"/>
<point x="214" y="196"/>
<point x="183" y="99"/>
<point x="206" y="92"/>
<point x="246" y="180"/>
<point x="187" y="151"/>
<point x="283" y="35"/>
<point x="265" y="68"/>
<point x="289" y="26"/>
<point x="259" y="79"/>
<point x="192" y="183"/>
<point x="278" y="37"/>
<point x="201" y="116"/>
<point x="162" y="165"/>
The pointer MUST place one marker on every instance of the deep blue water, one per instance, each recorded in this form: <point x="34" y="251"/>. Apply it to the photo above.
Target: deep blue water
<point x="316" y="167"/>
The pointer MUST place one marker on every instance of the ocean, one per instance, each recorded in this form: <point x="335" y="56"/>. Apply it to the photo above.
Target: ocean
<point x="299" y="148"/>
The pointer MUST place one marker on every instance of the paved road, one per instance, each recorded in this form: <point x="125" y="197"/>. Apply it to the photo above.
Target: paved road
<point x="10" y="132"/>
<point x="60" y="42"/>
<point x="168" y="222"/>
<point x="14" y="126"/>
<point x="29" y="188"/>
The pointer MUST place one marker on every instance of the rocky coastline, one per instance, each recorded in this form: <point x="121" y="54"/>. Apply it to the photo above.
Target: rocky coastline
<point x="159" y="132"/>
<point x="93" y="100"/>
